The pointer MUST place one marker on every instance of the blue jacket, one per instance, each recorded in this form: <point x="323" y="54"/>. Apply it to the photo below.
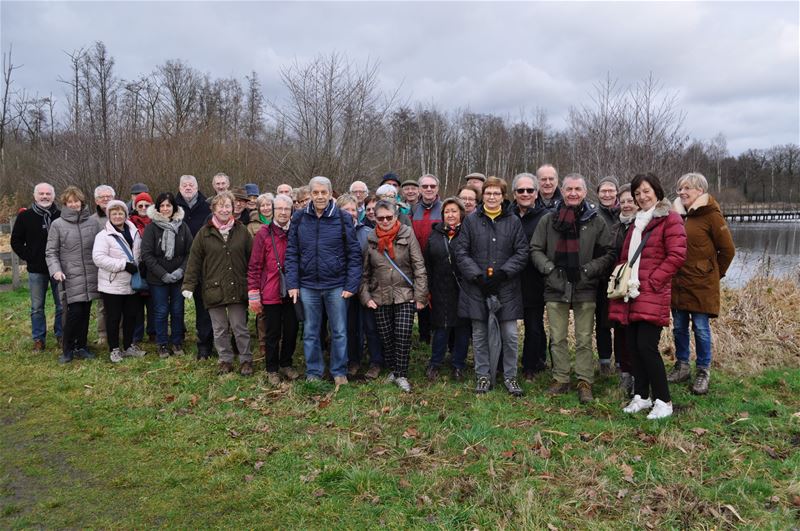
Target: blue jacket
<point x="323" y="252"/>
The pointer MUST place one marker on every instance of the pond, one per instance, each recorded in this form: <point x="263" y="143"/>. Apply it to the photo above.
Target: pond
<point x="771" y="246"/>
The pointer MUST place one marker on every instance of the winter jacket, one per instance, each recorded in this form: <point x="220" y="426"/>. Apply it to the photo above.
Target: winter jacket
<point x="110" y="259"/>
<point x="444" y="277"/>
<point x="99" y="217"/>
<point x="254" y="224"/>
<point x="219" y="266"/>
<point x="382" y="283"/>
<point x="29" y="238"/>
<point x="69" y="251"/>
<point x="662" y="256"/>
<point x="532" y="281"/>
<point x="709" y="252"/>
<point x="609" y="215"/>
<point x="556" y="200"/>
<point x="499" y="244"/>
<point x="596" y="254"/>
<point x="141" y="222"/>
<point x="323" y="251"/>
<point x="262" y="272"/>
<point x="422" y="219"/>
<point x="197" y="216"/>
<point x="153" y="257"/>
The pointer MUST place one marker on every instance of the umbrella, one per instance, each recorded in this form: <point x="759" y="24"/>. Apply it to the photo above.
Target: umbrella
<point x="494" y="338"/>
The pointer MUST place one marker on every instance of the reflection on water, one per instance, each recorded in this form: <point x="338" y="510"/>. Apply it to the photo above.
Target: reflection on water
<point x="764" y="246"/>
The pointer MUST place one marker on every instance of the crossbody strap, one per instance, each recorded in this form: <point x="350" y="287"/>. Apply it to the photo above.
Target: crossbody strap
<point x="124" y="247"/>
<point x="275" y="248"/>
<point x="397" y="268"/>
<point x="639" y="250"/>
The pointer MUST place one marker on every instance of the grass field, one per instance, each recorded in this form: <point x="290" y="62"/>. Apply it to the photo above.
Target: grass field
<point x="168" y="443"/>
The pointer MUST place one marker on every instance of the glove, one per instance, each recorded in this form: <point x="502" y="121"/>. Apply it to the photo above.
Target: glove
<point x="177" y="274"/>
<point x="480" y="280"/>
<point x="186" y="294"/>
<point x="493" y="282"/>
<point x="131" y="268"/>
<point x="167" y="278"/>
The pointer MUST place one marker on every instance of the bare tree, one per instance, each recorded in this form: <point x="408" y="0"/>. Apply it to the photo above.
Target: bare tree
<point x="8" y="70"/>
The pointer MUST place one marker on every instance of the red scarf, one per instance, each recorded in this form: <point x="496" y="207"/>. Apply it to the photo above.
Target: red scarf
<point x="386" y="238"/>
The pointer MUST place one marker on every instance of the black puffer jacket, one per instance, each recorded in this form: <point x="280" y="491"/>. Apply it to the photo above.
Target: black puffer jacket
<point x="444" y="277"/>
<point x="152" y="253"/>
<point x="499" y="244"/>
<point x="196" y="216"/>
<point x="532" y="281"/>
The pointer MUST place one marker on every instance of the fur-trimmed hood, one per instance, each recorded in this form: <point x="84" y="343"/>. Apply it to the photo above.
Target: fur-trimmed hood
<point x="155" y="215"/>
<point x="662" y="209"/>
<point x="701" y="201"/>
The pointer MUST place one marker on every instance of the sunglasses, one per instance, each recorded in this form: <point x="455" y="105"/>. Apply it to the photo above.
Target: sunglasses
<point x="428" y="186"/>
<point x="384" y="218"/>
<point x="525" y="190"/>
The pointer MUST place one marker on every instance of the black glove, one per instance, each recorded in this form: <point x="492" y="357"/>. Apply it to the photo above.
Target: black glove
<point x="131" y="268"/>
<point x="480" y="280"/>
<point x="493" y="282"/>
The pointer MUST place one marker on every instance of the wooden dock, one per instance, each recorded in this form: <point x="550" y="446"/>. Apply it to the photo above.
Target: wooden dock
<point x="761" y="212"/>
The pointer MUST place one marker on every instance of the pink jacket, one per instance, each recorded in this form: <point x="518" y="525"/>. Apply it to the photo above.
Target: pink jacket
<point x="110" y="259"/>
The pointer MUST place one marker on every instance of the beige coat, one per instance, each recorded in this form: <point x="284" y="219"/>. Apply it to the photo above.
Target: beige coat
<point x="382" y="283"/>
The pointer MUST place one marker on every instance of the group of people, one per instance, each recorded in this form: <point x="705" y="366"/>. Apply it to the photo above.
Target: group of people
<point x="357" y="269"/>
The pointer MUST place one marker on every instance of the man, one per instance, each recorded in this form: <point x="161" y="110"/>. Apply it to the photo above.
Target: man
<point x="196" y="211"/>
<point x="323" y="270"/>
<point x="221" y="183"/>
<point x="391" y="178"/>
<point x="251" y="189"/>
<point x="470" y="197"/>
<point x="28" y="240"/>
<point x="240" y="209"/>
<point x="609" y="211"/>
<point x="572" y="248"/>
<point x="534" y="348"/>
<point x="284" y="189"/>
<point x="549" y="194"/>
<point x="424" y="214"/>
<point x="359" y="190"/>
<point x="475" y="180"/>
<point x="136" y="189"/>
<point x="103" y="194"/>
<point x="410" y="192"/>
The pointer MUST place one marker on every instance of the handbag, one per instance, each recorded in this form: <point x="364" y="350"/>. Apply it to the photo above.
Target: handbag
<point x="138" y="283"/>
<point x="621" y="275"/>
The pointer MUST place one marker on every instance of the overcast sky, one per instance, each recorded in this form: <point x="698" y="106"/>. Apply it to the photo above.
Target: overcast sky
<point x="734" y="65"/>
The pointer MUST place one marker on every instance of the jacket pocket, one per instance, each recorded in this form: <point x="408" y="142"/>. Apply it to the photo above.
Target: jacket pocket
<point x="213" y="295"/>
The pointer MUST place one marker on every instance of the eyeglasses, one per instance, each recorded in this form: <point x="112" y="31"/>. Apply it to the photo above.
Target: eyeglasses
<point x="492" y="194"/>
<point x="358" y="191"/>
<point x="525" y="190"/>
<point x="370" y="209"/>
<point x="428" y="186"/>
<point x="384" y="218"/>
<point x="282" y="209"/>
<point x="467" y="199"/>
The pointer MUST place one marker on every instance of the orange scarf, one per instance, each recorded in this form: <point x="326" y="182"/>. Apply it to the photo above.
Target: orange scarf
<point x="386" y="238"/>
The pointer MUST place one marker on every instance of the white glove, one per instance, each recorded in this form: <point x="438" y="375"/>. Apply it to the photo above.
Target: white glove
<point x="186" y="294"/>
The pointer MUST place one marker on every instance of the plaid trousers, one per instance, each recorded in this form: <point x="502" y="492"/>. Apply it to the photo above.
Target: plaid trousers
<point x="395" y="322"/>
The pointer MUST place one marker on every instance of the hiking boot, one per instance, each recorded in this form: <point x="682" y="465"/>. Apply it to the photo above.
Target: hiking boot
<point x="606" y="369"/>
<point x="432" y="373"/>
<point x="38" y="345"/>
<point x="224" y="367"/>
<point x="660" y="410"/>
<point x="482" y="386"/>
<point x="585" y="392"/>
<point x="65" y="357"/>
<point x="134" y="351"/>
<point x="273" y="378"/>
<point x="557" y="388"/>
<point x="513" y="387"/>
<point x="626" y="383"/>
<point x="289" y="372"/>
<point x="373" y="372"/>
<point x="353" y="369"/>
<point x="163" y="352"/>
<point x="701" y="379"/>
<point x="116" y="356"/>
<point x="458" y="375"/>
<point x="340" y="380"/>
<point x="637" y="404"/>
<point x="402" y="383"/>
<point x="177" y="350"/>
<point x="679" y="372"/>
<point x="246" y="368"/>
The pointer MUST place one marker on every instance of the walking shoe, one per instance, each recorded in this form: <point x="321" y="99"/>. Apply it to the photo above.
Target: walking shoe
<point x="482" y="386"/>
<point x="390" y="377"/>
<point x="177" y="350"/>
<point x="116" y="356"/>
<point x="701" y="379"/>
<point x="606" y="369"/>
<point x="134" y="351"/>
<point x="163" y="352"/>
<point x="432" y="373"/>
<point x="637" y="404"/>
<point x="626" y="383"/>
<point x="84" y="354"/>
<point x="660" y="410"/>
<point x="458" y="375"/>
<point x="65" y="357"/>
<point x="402" y="383"/>
<point x="38" y="345"/>
<point x="340" y="380"/>
<point x="557" y="388"/>
<point x="224" y="367"/>
<point x="373" y="372"/>
<point x="246" y="368"/>
<point x="289" y="372"/>
<point x="313" y="378"/>
<point x="513" y="387"/>
<point x="353" y="369"/>
<point x="273" y="378"/>
<point x="585" y="392"/>
<point x="528" y="375"/>
<point x="679" y="372"/>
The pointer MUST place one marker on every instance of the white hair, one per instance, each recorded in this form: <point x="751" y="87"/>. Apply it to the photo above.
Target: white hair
<point x="283" y="198"/>
<point x="429" y="176"/>
<point x="320" y="180"/>
<point x="386" y="189"/>
<point x="530" y="176"/>
<point x="191" y="178"/>
<point x="104" y="188"/>
<point x="53" y="190"/>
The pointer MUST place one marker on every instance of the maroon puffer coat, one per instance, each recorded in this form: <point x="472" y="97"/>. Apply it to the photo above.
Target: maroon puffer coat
<point x="662" y="256"/>
<point x="262" y="272"/>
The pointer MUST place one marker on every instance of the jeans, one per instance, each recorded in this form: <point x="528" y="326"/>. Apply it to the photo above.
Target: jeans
<point x="480" y="346"/>
<point x="167" y="302"/>
<point x="702" y="337"/>
<point x="440" y="342"/>
<point x="314" y="301"/>
<point x="558" y="315"/>
<point x="38" y="283"/>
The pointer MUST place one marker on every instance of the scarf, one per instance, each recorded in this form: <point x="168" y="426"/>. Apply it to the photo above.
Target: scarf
<point x="642" y="219"/>
<point x="567" y="254"/>
<point x="170" y="228"/>
<point x="191" y="202"/>
<point x="263" y="219"/>
<point x="223" y="228"/>
<point x="386" y="238"/>
<point x="46" y="213"/>
<point x="100" y="212"/>
<point x="451" y="231"/>
<point x="126" y="233"/>
<point x="626" y="220"/>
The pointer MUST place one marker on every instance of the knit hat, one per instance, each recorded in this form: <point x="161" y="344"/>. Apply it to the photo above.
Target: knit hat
<point x="391" y="177"/>
<point x="116" y="203"/>
<point x="144" y="196"/>
<point x="409" y="182"/>
<point x="476" y="175"/>
<point x="610" y="179"/>
<point x="251" y="189"/>
<point x="239" y="193"/>
<point x="138" y="188"/>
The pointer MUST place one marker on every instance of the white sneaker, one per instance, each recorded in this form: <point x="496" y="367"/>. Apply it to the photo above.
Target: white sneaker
<point x="390" y="377"/>
<point x="637" y="404"/>
<point x="403" y="384"/>
<point x="116" y="356"/>
<point x="134" y="351"/>
<point x="660" y="410"/>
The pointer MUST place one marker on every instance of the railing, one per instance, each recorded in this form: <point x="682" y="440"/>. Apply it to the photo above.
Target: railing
<point x="10" y="257"/>
<point x="761" y="211"/>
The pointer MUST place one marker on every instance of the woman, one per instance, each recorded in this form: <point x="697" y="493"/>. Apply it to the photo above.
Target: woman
<point x="645" y="309"/>
<point x="695" y="289"/>
<point x="445" y="285"/>
<point x="219" y="257"/>
<point x="627" y="214"/>
<point x="165" y="251"/>
<point x="276" y="321"/>
<point x="369" y="212"/>
<point x="394" y="284"/>
<point x="69" y="262"/>
<point x="261" y="215"/>
<point x="116" y="254"/>
<point x="492" y="252"/>
<point x="141" y="202"/>
<point x="470" y="197"/>
<point x="139" y="217"/>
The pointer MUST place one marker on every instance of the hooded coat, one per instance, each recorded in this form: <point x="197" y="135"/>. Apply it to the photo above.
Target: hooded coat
<point x="709" y="253"/>
<point x="662" y="256"/>
<point x="111" y="259"/>
<point x="153" y="257"/>
<point x="69" y="251"/>
<point x="382" y="283"/>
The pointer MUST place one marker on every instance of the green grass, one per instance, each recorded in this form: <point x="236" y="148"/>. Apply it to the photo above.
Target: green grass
<point x="167" y="443"/>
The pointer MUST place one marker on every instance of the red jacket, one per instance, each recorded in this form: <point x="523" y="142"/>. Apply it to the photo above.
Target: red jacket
<point x="662" y="256"/>
<point x="262" y="272"/>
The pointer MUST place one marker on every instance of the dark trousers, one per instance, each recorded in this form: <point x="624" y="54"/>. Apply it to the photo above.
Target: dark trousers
<point x="441" y="339"/>
<point x="360" y="325"/>
<point x="123" y="308"/>
<point x="602" y="330"/>
<point x="424" y="324"/>
<point x="650" y="377"/>
<point x="534" y="346"/>
<point x="205" y="332"/>
<point x="147" y="310"/>
<point x="621" y="353"/>
<point x="277" y="331"/>
<point x="76" y="325"/>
